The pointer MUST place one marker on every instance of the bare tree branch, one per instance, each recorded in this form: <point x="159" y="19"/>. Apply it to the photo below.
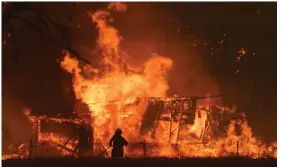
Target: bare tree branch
<point x="72" y="12"/>
<point x="15" y="45"/>
<point x="9" y="14"/>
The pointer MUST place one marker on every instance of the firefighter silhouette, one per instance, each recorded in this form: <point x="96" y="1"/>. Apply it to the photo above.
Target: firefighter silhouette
<point x="118" y="142"/>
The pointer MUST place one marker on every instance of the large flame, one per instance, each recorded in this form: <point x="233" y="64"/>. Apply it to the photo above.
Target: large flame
<point x="111" y="93"/>
<point x="107" y="91"/>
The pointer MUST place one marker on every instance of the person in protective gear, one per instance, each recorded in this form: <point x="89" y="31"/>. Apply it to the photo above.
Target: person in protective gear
<point x="118" y="142"/>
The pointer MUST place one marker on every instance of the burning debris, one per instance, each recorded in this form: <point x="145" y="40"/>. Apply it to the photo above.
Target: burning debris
<point x="118" y="95"/>
<point x="171" y="127"/>
<point x="241" y="52"/>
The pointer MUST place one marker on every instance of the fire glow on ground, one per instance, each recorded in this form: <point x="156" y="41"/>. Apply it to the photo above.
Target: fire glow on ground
<point x="182" y="80"/>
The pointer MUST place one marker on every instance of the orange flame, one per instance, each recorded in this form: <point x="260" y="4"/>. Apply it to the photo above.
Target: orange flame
<point x="108" y="97"/>
<point x="111" y="92"/>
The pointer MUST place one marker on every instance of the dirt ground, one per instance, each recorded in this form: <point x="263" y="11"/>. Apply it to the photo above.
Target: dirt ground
<point x="196" y="162"/>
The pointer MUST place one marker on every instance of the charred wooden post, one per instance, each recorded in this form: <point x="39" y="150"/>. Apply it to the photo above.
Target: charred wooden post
<point x="85" y="140"/>
<point x="179" y="127"/>
<point x="193" y="103"/>
<point x="144" y="148"/>
<point x="30" y="150"/>
<point x="170" y="129"/>
<point x="237" y="148"/>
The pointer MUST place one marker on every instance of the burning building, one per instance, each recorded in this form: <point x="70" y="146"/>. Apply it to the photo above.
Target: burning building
<point x="118" y="95"/>
<point x="169" y="127"/>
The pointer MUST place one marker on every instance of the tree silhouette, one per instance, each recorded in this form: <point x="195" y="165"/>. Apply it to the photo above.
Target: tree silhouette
<point x="15" y="11"/>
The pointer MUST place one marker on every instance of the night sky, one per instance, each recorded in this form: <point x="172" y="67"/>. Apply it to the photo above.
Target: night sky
<point x="203" y="39"/>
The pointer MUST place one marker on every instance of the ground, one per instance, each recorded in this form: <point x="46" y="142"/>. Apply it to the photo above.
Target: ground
<point x="71" y="162"/>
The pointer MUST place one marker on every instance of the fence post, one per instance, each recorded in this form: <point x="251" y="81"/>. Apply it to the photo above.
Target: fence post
<point x="237" y="148"/>
<point x="144" y="148"/>
<point x="30" y="149"/>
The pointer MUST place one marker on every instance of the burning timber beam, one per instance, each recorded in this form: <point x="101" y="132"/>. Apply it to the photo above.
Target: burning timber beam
<point x="171" y="99"/>
<point x="57" y="120"/>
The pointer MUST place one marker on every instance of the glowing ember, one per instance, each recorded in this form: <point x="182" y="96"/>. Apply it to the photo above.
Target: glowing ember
<point x="241" y="52"/>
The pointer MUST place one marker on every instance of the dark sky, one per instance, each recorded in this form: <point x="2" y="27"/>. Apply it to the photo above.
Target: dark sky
<point x="32" y="75"/>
